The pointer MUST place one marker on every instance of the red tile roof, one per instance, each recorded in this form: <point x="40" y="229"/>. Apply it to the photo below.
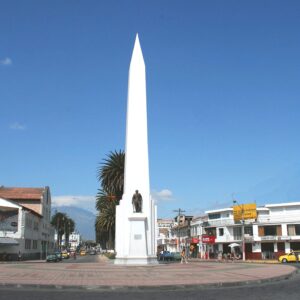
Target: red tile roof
<point x="15" y="193"/>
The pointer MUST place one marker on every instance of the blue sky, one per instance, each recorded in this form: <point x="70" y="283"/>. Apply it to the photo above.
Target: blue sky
<point x="223" y="97"/>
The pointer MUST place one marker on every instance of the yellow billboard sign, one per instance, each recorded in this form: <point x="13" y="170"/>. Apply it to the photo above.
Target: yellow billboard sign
<point x="244" y="212"/>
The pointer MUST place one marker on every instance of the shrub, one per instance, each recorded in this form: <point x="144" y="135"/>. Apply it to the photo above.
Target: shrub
<point x="110" y="255"/>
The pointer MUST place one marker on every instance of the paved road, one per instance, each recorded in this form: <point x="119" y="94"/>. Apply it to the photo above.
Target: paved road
<point x="283" y="290"/>
<point x="81" y="259"/>
<point x="277" y="290"/>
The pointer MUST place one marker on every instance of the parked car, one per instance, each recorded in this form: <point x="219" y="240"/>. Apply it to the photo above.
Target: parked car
<point x="289" y="257"/>
<point x="82" y="252"/>
<point x="176" y="256"/>
<point x="165" y="256"/>
<point x="59" y="255"/>
<point x="52" y="258"/>
<point x="93" y="252"/>
<point x="65" y="254"/>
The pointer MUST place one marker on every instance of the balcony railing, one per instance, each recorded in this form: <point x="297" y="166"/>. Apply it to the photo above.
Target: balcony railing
<point x="269" y="238"/>
<point x="216" y="223"/>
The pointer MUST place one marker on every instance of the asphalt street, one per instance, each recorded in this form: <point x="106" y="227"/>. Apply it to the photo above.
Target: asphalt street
<point x="277" y="290"/>
<point x="287" y="289"/>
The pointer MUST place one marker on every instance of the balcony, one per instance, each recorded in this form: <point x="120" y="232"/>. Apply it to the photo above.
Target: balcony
<point x="269" y="238"/>
<point x="220" y="222"/>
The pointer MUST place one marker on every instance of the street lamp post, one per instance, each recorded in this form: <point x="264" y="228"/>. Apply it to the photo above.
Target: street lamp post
<point x="243" y="228"/>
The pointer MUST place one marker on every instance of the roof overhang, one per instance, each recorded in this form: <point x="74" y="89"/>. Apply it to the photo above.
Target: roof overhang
<point x="6" y="241"/>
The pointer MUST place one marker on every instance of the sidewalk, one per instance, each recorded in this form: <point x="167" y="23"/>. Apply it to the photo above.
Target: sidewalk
<point x="105" y="275"/>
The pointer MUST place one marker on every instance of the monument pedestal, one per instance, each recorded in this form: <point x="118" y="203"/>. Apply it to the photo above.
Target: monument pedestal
<point x="138" y="247"/>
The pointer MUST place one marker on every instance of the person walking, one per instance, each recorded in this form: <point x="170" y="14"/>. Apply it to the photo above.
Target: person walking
<point x="183" y="256"/>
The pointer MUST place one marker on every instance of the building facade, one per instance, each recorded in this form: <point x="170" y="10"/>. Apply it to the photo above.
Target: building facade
<point x="25" y="229"/>
<point x="75" y="241"/>
<point x="164" y="234"/>
<point x="274" y="231"/>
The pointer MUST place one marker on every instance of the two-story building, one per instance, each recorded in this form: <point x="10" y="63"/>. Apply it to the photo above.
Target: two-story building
<point x="276" y="230"/>
<point x="181" y="232"/>
<point x="25" y="227"/>
<point x="164" y="241"/>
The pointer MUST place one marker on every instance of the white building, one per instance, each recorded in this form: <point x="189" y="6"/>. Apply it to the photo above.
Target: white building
<point x="74" y="240"/>
<point x="163" y="234"/>
<point x="25" y="223"/>
<point x="181" y="233"/>
<point x="198" y="248"/>
<point x="276" y="230"/>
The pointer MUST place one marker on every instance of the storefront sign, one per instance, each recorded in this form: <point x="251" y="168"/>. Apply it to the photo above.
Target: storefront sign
<point x="208" y="239"/>
<point x="244" y="212"/>
<point x="284" y="238"/>
<point x="9" y="220"/>
<point x="192" y="241"/>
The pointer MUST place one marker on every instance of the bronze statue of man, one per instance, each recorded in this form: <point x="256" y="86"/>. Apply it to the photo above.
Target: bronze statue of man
<point x="137" y="202"/>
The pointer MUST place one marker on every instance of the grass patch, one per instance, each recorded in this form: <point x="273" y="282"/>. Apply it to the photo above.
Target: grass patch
<point x="110" y="255"/>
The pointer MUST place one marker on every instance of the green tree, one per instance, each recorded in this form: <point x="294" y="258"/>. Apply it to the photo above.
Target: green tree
<point x="63" y="225"/>
<point x="69" y="228"/>
<point x="111" y="174"/>
<point x="111" y="177"/>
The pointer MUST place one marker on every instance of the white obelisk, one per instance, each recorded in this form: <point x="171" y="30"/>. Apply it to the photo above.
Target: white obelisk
<point x="135" y="231"/>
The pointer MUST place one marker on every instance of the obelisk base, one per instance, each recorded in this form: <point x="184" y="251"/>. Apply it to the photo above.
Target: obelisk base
<point x="138" y="248"/>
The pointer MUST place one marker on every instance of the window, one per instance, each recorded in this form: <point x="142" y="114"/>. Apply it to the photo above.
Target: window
<point x="248" y="230"/>
<point x="221" y="231"/>
<point x="34" y="244"/>
<point x="36" y="226"/>
<point x="210" y="231"/>
<point x="28" y="221"/>
<point x="297" y="227"/>
<point x="270" y="230"/>
<point x="274" y="230"/>
<point x="214" y="216"/>
<point x="294" y="229"/>
<point x="27" y="244"/>
<point x="237" y="233"/>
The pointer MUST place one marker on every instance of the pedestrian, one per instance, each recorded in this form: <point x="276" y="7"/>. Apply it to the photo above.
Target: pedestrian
<point x="74" y="255"/>
<point x="19" y="256"/>
<point x="183" y="256"/>
<point x="297" y="254"/>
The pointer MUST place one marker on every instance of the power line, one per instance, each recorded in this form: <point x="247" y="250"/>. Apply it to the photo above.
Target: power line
<point x="179" y="211"/>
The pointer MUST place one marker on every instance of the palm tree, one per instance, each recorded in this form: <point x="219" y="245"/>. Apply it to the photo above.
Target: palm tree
<point x="105" y="222"/>
<point x="111" y="177"/>
<point x="63" y="225"/>
<point x="57" y="222"/>
<point x="70" y="227"/>
<point x="111" y="174"/>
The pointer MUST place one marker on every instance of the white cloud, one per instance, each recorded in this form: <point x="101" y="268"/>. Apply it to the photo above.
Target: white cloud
<point x="86" y="202"/>
<point x="163" y="195"/>
<point x="6" y="61"/>
<point x="17" y="126"/>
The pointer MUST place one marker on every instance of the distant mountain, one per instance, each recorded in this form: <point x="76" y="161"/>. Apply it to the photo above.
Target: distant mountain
<point x="83" y="218"/>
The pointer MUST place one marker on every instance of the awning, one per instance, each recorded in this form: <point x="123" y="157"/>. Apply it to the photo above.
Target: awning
<point x="8" y="241"/>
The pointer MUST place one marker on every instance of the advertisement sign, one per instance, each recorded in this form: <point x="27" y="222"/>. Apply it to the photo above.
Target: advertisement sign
<point x="208" y="239"/>
<point x="192" y="241"/>
<point x="195" y="241"/>
<point x="244" y="212"/>
<point x="9" y="220"/>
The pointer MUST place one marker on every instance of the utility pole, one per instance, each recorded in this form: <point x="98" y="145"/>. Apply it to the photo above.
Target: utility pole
<point x="179" y="211"/>
<point x="243" y="227"/>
